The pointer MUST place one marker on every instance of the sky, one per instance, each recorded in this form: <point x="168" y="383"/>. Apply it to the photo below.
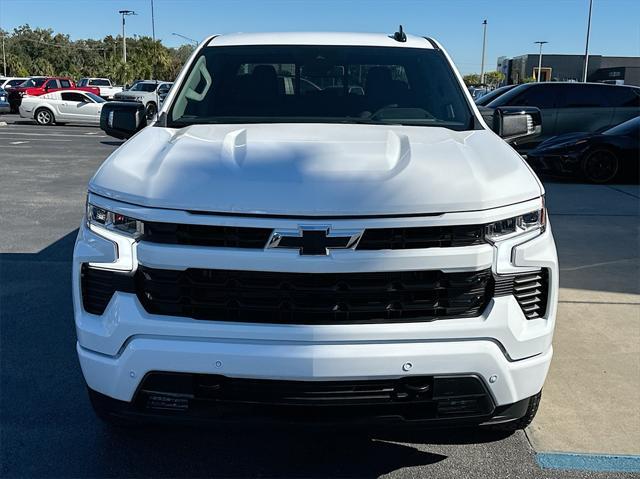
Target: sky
<point x="513" y="25"/>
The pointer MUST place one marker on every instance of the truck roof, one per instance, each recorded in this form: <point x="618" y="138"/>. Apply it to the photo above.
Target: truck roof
<point x="318" y="38"/>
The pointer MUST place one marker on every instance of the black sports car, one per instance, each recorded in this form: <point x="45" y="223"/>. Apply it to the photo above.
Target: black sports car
<point x="598" y="157"/>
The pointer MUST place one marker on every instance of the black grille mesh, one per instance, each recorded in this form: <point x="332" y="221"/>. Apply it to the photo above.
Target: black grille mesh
<point x="372" y="239"/>
<point x="323" y="298"/>
<point x="204" y="235"/>
<point x="421" y="237"/>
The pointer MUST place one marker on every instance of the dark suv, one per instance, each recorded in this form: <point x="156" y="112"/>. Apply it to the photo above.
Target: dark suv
<point x="573" y="107"/>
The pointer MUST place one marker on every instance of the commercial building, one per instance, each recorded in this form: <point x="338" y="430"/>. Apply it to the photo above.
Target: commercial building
<point x="622" y="70"/>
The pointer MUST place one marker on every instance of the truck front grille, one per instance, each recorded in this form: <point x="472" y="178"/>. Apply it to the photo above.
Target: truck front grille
<point x="322" y="298"/>
<point x="372" y="239"/>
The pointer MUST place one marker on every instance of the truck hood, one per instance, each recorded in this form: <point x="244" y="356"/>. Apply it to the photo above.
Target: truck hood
<point x="316" y="170"/>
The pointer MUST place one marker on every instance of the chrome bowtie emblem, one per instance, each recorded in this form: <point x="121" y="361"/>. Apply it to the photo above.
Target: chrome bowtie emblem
<point x="314" y="240"/>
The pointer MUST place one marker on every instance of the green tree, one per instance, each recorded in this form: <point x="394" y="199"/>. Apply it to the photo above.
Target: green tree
<point x="493" y="78"/>
<point x="471" y="79"/>
<point x="42" y="51"/>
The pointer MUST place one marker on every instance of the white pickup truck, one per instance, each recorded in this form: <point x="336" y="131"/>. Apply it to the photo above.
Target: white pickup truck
<point x="107" y="89"/>
<point x="366" y="250"/>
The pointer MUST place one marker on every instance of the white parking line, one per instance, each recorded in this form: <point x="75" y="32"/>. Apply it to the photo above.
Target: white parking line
<point x="9" y="133"/>
<point x="33" y="139"/>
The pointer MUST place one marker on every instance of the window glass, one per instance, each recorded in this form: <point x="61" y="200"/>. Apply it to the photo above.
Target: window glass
<point x="94" y="97"/>
<point x="14" y="83"/>
<point x="628" y="128"/>
<point x="623" y="96"/>
<point x="540" y="96"/>
<point x="582" y="96"/>
<point x="51" y="84"/>
<point x="304" y="83"/>
<point x="144" y="86"/>
<point x="65" y="83"/>
<point x="33" y="82"/>
<point x="99" y="82"/>
<point x="73" y="96"/>
<point x="163" y="88"/>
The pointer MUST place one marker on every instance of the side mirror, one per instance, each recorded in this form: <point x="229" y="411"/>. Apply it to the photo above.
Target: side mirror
<point x="122" y="119"/>
<point x="514" y="122"/>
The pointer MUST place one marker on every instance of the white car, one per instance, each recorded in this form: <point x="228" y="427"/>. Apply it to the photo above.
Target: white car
<point x="367" y="253"/>
<point x="148" y="92"/>
<point x="107" y="90"/>
<point x="65" y="106"/>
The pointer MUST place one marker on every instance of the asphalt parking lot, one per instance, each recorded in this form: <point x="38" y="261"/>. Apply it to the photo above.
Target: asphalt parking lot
<point x="47" y="426"/>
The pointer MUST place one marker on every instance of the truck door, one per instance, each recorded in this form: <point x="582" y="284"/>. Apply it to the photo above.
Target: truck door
<point x="583" y="108"/>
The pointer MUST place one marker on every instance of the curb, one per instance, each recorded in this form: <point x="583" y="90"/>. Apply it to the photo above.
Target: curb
<point x="588" y="462"/>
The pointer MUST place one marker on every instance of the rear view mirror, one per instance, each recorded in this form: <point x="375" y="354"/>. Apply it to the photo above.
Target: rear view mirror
<point x="122" y="119"/>
<point x="514" y="122"/>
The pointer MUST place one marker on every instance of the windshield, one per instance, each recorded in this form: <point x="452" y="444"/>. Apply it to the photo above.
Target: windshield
<point x="94" y="97"/>
<point x="484" y="100"/>
<point x="33" y="82"/>
<point x="147" y="87"/>
<point x="329" y="84"/>
<point x="100" y="82"/>
<point x="628" y="128"/>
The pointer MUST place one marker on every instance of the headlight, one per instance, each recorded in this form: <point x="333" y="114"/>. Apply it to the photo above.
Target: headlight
<point x="114" y="221"/>
<point x="516" y="226"/>
<point x="122" y="230"/>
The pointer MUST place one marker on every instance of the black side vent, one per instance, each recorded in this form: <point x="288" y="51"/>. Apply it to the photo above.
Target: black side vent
<point x="530" y="289"/>
<point x="99" y="285"/>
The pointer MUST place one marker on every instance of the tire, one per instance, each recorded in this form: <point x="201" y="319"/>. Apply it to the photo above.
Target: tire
<point x="524" y="421"/>
<point x="151" y="110"/>
<point x="44" y="116"/>
<point x="600" y="166"/>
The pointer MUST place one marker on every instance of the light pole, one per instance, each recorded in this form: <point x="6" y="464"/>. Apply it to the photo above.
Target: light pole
<point x="586" y="48"/>
<point x="484" y="43"/>
<point x="125" y="13"/>
<point x="540" y="60"/>
<point x="195" y="43"/>
<point x="153" y="35"/>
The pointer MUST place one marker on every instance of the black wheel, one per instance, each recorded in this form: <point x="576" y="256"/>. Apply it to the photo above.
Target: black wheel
<point x="600" y="166"/>
<point x="151" y="110"/>
<point x="524" y="421"/>
<point x="44" y="116"/>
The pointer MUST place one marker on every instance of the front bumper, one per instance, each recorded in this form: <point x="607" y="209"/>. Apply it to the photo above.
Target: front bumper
<point x="510" y="354"/>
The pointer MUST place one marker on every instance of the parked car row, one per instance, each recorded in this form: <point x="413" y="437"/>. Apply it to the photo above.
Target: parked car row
<point x="586" y="128"/>
<point x="49" y="100"/>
